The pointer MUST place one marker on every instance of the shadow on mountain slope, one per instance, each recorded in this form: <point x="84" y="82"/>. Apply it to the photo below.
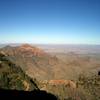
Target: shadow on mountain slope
<point x="34" y="95"/>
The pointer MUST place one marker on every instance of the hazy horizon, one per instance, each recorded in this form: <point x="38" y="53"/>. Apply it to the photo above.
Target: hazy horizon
<point x="9" y="43"/>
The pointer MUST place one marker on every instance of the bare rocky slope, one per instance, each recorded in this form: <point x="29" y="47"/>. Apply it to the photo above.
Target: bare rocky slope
<point x="36" y="63"/>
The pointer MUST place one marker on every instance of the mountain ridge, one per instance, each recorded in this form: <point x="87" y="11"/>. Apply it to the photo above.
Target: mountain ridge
<point x="39" y="64"/>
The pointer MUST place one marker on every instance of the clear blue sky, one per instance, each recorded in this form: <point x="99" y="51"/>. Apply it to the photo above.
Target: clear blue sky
<point x="50" y="21"/>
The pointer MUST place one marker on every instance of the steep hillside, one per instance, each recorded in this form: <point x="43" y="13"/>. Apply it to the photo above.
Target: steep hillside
<point x="36" y="63"/>
<point x="12" y="77"/>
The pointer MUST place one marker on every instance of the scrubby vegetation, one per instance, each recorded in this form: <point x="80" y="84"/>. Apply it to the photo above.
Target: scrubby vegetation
<point x="87" y="88"/>
<point x="12" y="76"/>
<point x="90" y="86"/>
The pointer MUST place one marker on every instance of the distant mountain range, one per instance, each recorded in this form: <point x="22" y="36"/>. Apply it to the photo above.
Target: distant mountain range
<point x="36" y="63"/>
<point x="41" y="65"/>
<point x="63" y="48"/>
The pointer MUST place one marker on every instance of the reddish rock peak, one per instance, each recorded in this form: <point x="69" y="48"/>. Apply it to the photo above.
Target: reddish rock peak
<point x="31" y="50"/>
<point x="26" y="46"/>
